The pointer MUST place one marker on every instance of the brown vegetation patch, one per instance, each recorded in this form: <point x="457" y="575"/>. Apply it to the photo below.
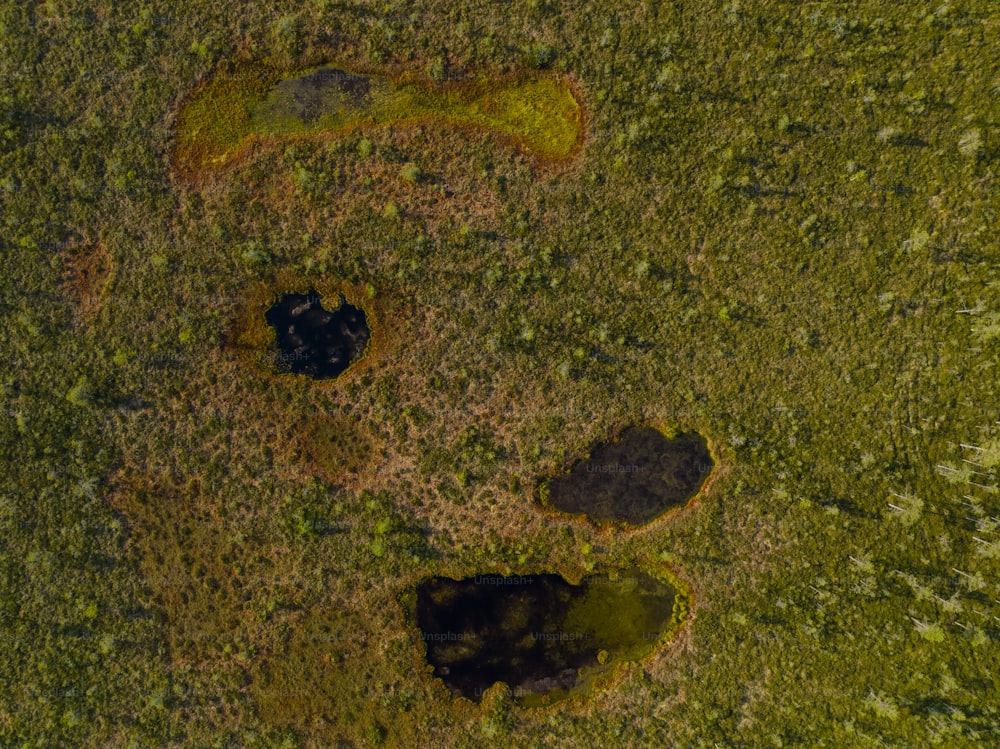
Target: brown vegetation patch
<point x="88" y="270"/>
<point x="332" y="447"/>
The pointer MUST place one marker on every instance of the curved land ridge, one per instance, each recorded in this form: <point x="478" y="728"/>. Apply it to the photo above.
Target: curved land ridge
<point x="538" y="112"/>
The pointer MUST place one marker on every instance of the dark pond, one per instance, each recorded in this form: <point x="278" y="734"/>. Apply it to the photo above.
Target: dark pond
<point x="633" y="480"/>
<point x="313" y="341"/>
<point x="540" y="634"/>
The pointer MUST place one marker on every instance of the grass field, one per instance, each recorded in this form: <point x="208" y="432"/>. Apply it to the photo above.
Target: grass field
<point x="774" y="225"/>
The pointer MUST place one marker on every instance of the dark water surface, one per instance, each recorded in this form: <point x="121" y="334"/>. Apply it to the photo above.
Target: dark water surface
<point x="633" y="480"/>
<point x="538" y="632"/>
<point x="313" y="341"/>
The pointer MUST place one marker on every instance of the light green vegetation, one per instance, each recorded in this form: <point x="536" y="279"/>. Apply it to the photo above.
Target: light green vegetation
<point x="539" y="113"/>
<point x="625" y="615"/>
<point x="779" y="233"/>
<point x="217" y="120"/>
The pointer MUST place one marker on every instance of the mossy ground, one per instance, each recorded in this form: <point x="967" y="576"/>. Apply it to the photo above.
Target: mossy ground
<point x="539" y="113"/>
<point x="777" y="233"/>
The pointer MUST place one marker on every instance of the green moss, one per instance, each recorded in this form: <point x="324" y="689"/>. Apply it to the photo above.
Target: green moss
<point x="216" y="120"/>
<point x="541" y="114"/>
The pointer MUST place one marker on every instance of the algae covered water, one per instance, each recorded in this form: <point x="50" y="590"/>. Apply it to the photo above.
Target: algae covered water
<point x="540" y="634"/>
<point x="538" y="112"/>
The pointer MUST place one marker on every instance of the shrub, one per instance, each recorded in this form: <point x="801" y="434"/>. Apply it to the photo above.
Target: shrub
<point x="81" y="394"/>
<point x="410" y="172"/>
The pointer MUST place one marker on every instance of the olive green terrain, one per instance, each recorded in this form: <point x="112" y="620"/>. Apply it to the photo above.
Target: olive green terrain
<point x="540" y="114"/>
<point x="778" y="231"/>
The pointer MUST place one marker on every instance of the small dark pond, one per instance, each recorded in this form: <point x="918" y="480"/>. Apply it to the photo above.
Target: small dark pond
<point x="313" y="341"/>
<point x="540" y="634"/>
<point x="633" y="480"/>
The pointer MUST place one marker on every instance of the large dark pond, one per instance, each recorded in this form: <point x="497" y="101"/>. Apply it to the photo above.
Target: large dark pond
<point x="540" y="634"/>
<point x="633" y="480"/>
<point x="315" y="342"/>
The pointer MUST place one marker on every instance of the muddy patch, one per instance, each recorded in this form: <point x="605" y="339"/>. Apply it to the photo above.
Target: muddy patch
<point x="310" y="96"/>
<point x="633" y="480"/>
<point x="543" y="636"/>
<point x="86" y="275"/>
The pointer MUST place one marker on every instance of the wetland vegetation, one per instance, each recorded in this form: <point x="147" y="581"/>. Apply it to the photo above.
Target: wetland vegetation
<point x="774" y="225"/>
<point x="538" y="112"/>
